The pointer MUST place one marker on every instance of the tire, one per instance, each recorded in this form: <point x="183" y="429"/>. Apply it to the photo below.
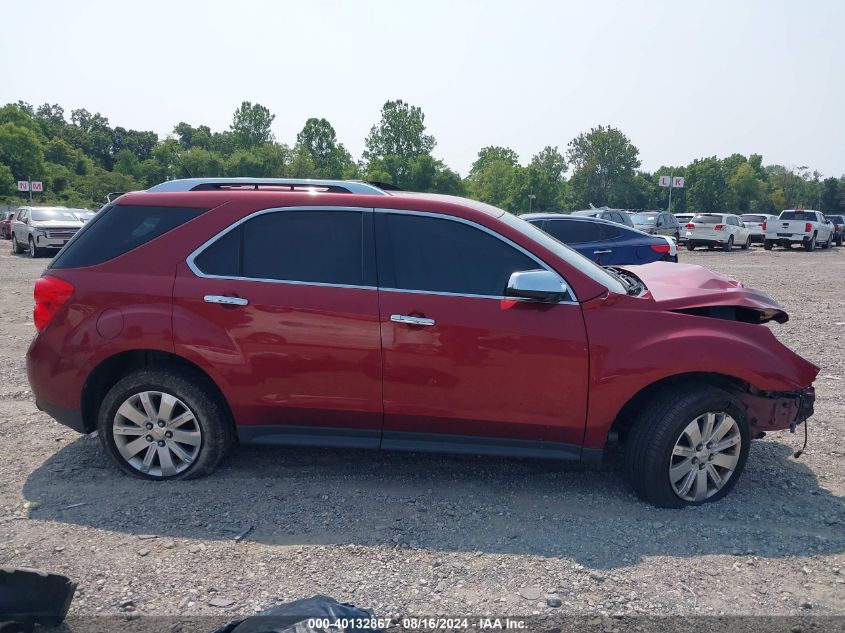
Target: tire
<point x="747" y="244"/>
<point x="658" y="430"/>
<point x="209" y="433"/>
<point x="829" y="244"/>
<point x="34" y="251"/>
<point x="690" y="246"/>
<point x="729" y="246"/>
<point x="768" y="245"/>
<point x="16" y="247"/>
<point x="839" y="241"/>
<point x="810" y="245"/>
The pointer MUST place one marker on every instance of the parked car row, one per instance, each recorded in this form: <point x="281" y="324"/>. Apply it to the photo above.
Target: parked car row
<point x="807" y="228"/>
<point x="204" y="312"/>
<point x="39" y="230"/>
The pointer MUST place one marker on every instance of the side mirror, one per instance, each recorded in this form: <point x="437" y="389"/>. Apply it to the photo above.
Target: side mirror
<point x="537" y="285"/>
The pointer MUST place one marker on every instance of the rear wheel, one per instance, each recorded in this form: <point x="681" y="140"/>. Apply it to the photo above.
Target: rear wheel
<point x="729" y="245"/>
<point x="810" y="245"/>
<point x="768" y="245"/>
<point x="689" y="450"/>
<point x="16" y="247"/>
<point x="690" y="246"/>
<point x="839" y="241"/>
<point x="164" y="424"/>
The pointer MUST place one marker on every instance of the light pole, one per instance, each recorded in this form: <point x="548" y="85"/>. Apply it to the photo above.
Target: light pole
<point x="531" y="197"/>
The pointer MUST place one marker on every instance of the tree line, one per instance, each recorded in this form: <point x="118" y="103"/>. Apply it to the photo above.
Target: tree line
<point x="81" y="157"/>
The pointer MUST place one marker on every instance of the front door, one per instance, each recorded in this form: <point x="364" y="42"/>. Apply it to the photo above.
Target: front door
<point x="466" y="369"/>
<point x="284" y="307"/>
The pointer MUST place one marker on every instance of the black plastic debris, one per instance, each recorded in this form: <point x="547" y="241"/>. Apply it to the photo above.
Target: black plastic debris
<point x="319" y="614"/>
<point x="31" y="596"/>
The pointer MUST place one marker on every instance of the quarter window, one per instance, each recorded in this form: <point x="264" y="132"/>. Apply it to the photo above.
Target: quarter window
<point x="440" y="255"/>
<point x="331" y="247"/>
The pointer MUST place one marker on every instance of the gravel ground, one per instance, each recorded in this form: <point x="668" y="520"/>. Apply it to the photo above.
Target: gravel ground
<point x="423" y="534"/>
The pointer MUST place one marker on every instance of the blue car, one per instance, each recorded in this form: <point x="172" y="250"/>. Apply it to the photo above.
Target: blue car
<point x="604" y="242"/>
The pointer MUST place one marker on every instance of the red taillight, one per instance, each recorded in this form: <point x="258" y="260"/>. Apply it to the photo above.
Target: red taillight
<point x="690" y="226"/>
<point x="51" y="293"/>
<point x="807" y="228"/>
<point x="763" y="226"/>
<point x="719" y="227"/>
<point x="660" y="248"/>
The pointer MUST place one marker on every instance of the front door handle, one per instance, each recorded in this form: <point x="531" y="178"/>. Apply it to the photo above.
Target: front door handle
<point x="601" y="252"/>
<point x="226" y="301"/>
<point x="411" y="320"/>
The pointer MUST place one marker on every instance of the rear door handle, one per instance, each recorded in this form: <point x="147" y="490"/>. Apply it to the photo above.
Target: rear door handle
<point x="601" y="252"/>
<point x="410" y="320"/>
<point x="226" y="301"/>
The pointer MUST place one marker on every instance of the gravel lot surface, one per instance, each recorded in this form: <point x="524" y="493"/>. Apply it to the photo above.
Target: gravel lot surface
<point x="423" y="534"/>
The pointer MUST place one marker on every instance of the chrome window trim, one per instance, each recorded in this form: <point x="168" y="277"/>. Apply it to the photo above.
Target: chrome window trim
<point x="196" y="252"/>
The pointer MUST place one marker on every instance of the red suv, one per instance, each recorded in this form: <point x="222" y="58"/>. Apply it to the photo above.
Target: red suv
<point x="199" y="313"/>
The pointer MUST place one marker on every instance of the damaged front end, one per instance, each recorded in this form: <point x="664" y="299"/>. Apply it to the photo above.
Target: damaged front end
<point x="777" y="410"/>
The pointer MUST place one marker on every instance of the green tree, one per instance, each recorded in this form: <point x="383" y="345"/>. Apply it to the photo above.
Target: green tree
<point x="7" y="181"/>
<point x="51" y="118"/>
<point x="396" y="140"/>
<point x="487" y="155"/>
<point x="746" y="187"/>
<point x="319" y="141"/>
<point x="707" y="186"/>
<point x="22" y="151"/>
<point x="251" y="125"/>
<point x="603" y="162"/>
<point x="833" y="196"/>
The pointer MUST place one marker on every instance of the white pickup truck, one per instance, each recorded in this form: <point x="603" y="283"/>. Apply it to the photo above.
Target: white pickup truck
<point x="792" y="226"/>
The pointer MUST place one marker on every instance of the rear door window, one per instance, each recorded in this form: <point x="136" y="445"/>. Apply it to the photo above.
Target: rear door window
<point x="320" y="246"/>
<point x="118" y="229"/>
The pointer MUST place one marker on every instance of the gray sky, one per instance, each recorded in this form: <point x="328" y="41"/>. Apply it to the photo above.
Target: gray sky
<point x="681" y="79"/>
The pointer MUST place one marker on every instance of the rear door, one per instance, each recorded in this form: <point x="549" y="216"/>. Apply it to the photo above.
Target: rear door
<point x="284" y="307"/>
<point x="465" y="369"/>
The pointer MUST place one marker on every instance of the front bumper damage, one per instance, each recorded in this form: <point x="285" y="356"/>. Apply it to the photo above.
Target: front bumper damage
<point x="777" y="410"/>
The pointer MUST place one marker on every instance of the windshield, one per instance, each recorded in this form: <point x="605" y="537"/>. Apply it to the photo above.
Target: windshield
<point x="837" y="219"/>
<point x="47" y="215"/>
<point x="753" y="218"/>
<point x="571" y="257"/>
<point x="644" y="218"/>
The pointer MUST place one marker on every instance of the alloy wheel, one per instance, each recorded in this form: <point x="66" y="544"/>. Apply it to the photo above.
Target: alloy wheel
<point x="32" y="251"/>
<point x="705" y="456"/>
<point x="157" y="434"/>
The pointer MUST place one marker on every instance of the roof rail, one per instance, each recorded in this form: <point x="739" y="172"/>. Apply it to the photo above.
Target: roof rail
<point x="292" y="184"/>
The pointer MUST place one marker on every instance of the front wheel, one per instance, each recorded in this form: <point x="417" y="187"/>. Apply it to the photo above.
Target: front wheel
<point x="689" y="450"/>
<point x="164" y="423"/>
<point x="34" y="251"/>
